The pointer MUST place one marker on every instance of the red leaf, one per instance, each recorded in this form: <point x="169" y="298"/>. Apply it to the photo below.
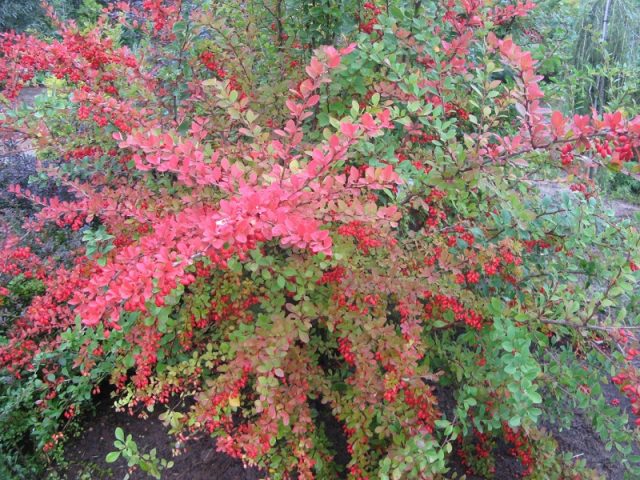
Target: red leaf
<point x="558" y="123"/>
<point x="315" y="68"/>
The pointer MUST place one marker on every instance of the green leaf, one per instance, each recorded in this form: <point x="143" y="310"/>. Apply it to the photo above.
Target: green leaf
<point x="515" y="421"/>
<point x="413" y="106"/>
<point x="496" y="307"/>
<point x="304" y="336"/>
<point x="534" y="396"/>
<point x="112" y="457"/>
<point x="129" y="361"/>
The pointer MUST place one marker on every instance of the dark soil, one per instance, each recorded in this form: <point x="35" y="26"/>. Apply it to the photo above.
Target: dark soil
<point x="200" y="460"/>
<point x="584" y="442"/>
<point x="507" y="466"/>
<point x="580" y="440"/>
<point x="86" y="454"/>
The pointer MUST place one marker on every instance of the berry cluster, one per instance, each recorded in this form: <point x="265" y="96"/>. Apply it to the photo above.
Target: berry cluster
<point x="371" y="18"/>
<point x="629" y="383"/>
<point x="603" y="148"/>
<point x="624" y="148"/>
<point x="422" y="138"/>
<point x="437" y="304"/>
<point x="520" y="448"/>
<point x="566" y="154"/>
<point x="335" y="275"/>
<point x="363" y="234"/>
<point x="530" y="245"/>
<point x="208" y="59"/>
<point x="344" y="347"/>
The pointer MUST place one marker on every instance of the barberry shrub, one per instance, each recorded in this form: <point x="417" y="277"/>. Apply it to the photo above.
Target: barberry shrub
<point x="369" y="250"/>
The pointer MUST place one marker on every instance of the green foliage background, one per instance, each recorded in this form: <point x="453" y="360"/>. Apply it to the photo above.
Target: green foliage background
<point x="21" y="15"/>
